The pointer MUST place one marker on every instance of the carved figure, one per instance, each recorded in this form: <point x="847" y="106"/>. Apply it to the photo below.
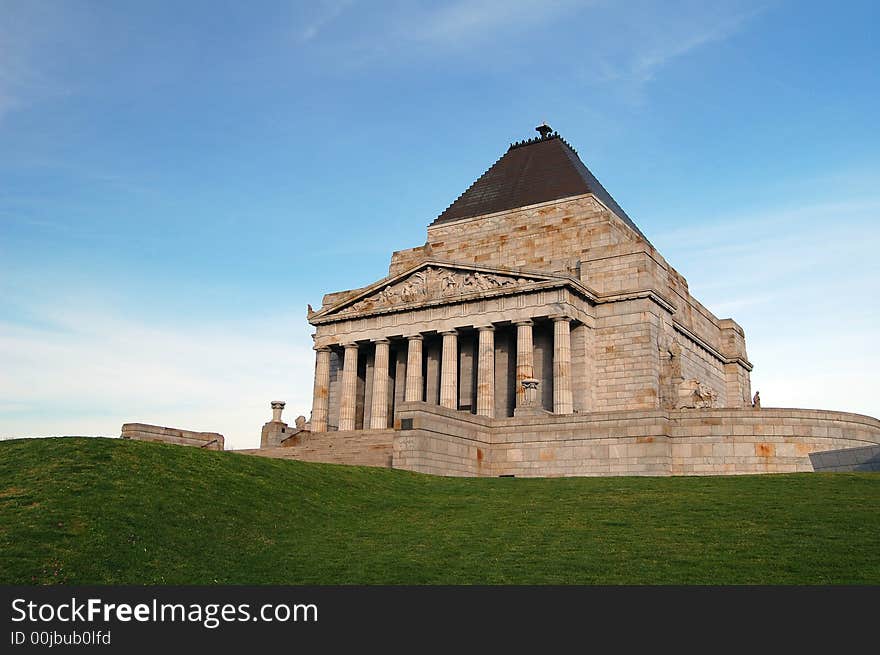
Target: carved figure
<point x="408" y="292"/>
<point x="432" y="282"/>
<point x="756" y="401"/>
<point x="448" y="282"/>
<point x="387" y="296"/>
<point x="706" y="394"/>
<point x="693" y="394"/>
<point x="675" y="361"/>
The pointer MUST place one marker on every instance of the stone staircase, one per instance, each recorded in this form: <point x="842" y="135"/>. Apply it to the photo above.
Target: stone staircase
<point x="359" y="448"/>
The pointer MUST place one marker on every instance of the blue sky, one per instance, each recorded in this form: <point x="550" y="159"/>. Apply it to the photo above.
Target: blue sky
<point x="178" y="180"/>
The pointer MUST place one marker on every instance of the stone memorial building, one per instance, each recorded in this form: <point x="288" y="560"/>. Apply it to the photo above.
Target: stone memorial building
<point x="539" y="332"/>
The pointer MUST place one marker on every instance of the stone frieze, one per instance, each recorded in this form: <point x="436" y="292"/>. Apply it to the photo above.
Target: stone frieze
<point x="434" y="283"/>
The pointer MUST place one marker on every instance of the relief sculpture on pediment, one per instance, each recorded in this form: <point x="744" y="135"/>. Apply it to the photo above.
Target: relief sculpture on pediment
<point x="432" y="283"/>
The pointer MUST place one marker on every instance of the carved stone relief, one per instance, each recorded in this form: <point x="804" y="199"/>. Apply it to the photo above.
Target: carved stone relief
<point x="693" y="394"/>
<point x="670" y="368"/>
<point x="433" y="283"/>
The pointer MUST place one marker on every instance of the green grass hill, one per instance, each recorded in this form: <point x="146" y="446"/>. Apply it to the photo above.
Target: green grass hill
<point x="107" y="511"/>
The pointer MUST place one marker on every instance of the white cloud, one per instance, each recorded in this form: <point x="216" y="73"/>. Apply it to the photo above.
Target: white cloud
<point x="92" y="371"/>
<point x="801" y="281"/>
<point x="328" y="11"/>
<point x="680" y="40"/>
<point x="466" y="21"/>
<point x="26" y="30"/>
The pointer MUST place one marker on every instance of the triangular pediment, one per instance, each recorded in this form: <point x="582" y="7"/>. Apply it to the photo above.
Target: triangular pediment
<point x="431" y="282"/>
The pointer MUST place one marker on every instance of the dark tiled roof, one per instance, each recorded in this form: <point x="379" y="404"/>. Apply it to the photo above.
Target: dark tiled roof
<point x="533" y="171"/>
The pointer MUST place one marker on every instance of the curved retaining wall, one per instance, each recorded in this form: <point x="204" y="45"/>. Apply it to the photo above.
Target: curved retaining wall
<point x="436" y="440"/>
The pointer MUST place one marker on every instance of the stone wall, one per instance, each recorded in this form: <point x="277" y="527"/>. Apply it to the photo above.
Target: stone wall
<point x="625" y="360"/>
<point x="538" y="237"/>
<point x="770" y="440"/>
<point x="360" y="448"/>
<point x="157" y="433"/>
<point x="651" y="442"/>
<point x="442" y="441"/>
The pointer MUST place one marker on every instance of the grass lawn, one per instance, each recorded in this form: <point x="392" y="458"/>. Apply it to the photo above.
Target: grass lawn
<point x="107" y="511"/>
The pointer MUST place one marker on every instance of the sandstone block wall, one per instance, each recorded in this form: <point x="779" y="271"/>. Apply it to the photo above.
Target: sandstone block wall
<point x="538" y="237"/>
<point x="360" y="448"/>
<point x="442" y="440"/>
<point x="157" y="433"/>
<point x="770" y="440"/>
<point x="651" y="442"/>
<point x="625" y="360"/>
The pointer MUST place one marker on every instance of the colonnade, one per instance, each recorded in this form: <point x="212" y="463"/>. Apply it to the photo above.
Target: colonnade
<point x="414" y="384"/>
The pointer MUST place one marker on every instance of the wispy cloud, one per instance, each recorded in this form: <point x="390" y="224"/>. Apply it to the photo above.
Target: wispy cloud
<point x="327" y="12"/>
<point x="399" y="33"/>
<point x="626" y="44"/>
<point x="671" y="40"/>
<point x="468" y="21"/>
<point x="801" y="285"/>
<point x="28" y="30"/>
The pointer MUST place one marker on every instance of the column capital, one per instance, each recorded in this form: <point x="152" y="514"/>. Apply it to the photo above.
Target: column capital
<point x="559" y="317"/>
<point x="382" y="340"/>
<point x="349" y="346"/>
<point x="485" y="327"/>
<point x="445" y="332"/>
<point x="321" y="349"/>
<point x="418" y="336"/>
<point x="524" y="321"/>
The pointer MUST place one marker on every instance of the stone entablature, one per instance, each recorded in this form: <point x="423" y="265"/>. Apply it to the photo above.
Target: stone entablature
<point x="434" y="283"/>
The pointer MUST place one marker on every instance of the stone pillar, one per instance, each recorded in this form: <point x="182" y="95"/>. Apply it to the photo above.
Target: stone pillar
<point x="277" y="407"/>
<point x="449" y="370"/>
<point x="562" y="398"/>
<point x="525" y="358"/>
<point x="321" y="393"/>
<point x="414" y="382"/>
<point x="275" y="431"/>
<point x="348" y="401"/>
<point x="486" y="371"/>
<point x="379" y="408"/>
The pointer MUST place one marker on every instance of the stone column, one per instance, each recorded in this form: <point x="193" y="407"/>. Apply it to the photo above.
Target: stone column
<point x="486" y="371"/>
<point x="449" y="370"/>
<point x="379" y="408"/>
<point x="525" y="358"/>
<point x="414" y="382"/>
<point x="348" y="400"/>
<point x="277" y="407"/>
<point x="321" y="392"/>
<point x="562" y="398"/>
